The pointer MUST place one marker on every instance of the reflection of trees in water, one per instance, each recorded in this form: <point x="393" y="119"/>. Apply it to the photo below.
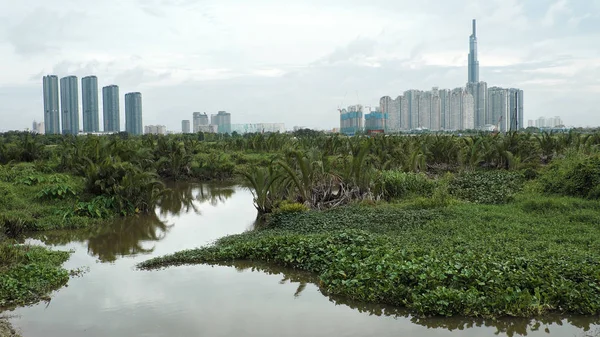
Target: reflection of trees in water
<point x="509" y="326"/>
<point x="180" y="197"/>
<point x="177" y="199"/>
<point x="125" y="236"/>
<point x="214" y="194"/>
<point x="120" y="237"/>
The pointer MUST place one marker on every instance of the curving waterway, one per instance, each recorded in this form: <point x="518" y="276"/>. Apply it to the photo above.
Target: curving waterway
<point x="113" y="298"/>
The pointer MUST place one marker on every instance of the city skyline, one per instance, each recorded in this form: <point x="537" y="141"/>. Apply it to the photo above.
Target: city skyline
<point x="303" y="69"/>
<point x="462" y="108"/>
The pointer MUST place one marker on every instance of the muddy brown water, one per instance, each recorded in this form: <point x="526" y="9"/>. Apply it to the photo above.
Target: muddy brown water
<point x="113" y="298"/>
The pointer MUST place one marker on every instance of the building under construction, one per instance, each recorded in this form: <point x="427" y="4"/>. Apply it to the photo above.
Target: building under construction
<point x="351" y="120"/>
<point x="375" y="122"/>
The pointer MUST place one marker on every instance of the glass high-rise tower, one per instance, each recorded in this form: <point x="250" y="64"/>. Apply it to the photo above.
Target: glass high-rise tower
<point x="89" y="100"/>
<point x="133" y="113"/>
<point x="69" y="103"/>
<point x="110" y="108"/>
<point x="473" y="61"/>
<point x="51" y="107"/>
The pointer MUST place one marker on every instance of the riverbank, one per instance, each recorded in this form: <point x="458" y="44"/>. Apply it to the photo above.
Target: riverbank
<point x="34" y="200"/>
<point x="29" y="273"/>
<point x="6" y="329"/>
<point x="532" y="256"/>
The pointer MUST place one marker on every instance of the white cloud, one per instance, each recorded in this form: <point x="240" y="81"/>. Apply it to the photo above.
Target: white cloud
<point x="291" y="62"/>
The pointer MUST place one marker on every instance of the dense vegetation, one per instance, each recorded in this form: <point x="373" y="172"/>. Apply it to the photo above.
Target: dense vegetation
<point x="477" y="225"/>
<point x="29" y="273"/>
<point x="528" y="257"/>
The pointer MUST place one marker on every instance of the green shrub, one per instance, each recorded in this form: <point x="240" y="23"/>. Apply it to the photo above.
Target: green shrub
<point x="576" y="175"/>
<point x="32" y="180"/>
<point x="213" y="165"/>
<point x="57" y="191"/>
<point x="530" y="173"/>
<point x="398" y="184"/>
<point x="486" y="187"/>
<point x="8" y="198"/>
<point x="441" y="196"/>
<point x="13" y="226"/>
<point x="131" y="189"/>
<point x="291" y="207"/>
<point x="101" y="207"/>
<point x="28" y="273"/>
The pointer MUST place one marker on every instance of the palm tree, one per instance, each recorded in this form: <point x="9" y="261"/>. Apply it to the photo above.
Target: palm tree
<point x="262" y="182"/>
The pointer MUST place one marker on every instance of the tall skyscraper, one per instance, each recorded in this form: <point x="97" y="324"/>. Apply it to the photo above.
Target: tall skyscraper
<point x="51" y="108"/>
<point x="498" y="108"/>
<point x="110" y="108"/>
<point x="479" y="91"/>
<point x="473" y="62"/>
<point x="436" y="110"/>
<point x="412" y="108"/>
<point x="185" y="126"/>
<point x="516" y="109"/>
<point x="223" y="120"/>
<point x="199" y="120"/>
<point x="69" y="103"/>
<point x="89" y="100"/>
<point x="388" y="107"/>
<point x="444" y="109"/>
<point x="133" y="113"/>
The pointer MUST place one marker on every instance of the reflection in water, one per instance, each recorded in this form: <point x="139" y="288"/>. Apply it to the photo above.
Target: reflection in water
<point x="509" y="326"/>
<point x="180" y="197"/>
<point x="177" y="199"/>
<point x="120" y="237"/>
<point x="215" y="194"/>
<point x="165" y="296"/>
<point x="125" y="236"/>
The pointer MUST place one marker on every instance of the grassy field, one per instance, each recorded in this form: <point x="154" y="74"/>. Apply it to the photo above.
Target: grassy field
<point x="531" y="256"/>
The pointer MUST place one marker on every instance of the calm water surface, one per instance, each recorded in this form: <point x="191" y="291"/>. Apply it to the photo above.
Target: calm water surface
<point x="242" y="299"/>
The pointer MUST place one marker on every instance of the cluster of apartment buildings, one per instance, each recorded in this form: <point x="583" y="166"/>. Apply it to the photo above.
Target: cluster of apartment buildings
<point x="63" y="117"/>
<point x="474" y="106"/>
<point x="218" y="123"/>
<point x="221" y="123"/>
<point x="546" y="122"/>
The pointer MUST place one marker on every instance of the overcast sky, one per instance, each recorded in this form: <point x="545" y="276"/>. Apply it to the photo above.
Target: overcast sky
<point x="295" y="62"/>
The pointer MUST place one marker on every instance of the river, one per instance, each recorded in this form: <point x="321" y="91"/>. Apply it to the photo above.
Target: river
<point x="113" y="298"/>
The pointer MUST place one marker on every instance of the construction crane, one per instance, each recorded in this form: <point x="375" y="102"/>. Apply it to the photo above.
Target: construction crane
<point x="342" y="103"/>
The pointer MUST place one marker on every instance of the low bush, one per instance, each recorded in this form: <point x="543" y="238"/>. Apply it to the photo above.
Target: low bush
<point x="28" y="273"/>
<point x="486" y="187"/>
<point x="575" y="175"/>
<point x="291" y="207"/>
<point x="57" y="191"/>
<point x="100" y="207"/>
<point x="212" y="166"/>
<point x="13" y="226"/>
<point x="398" y="184"/>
